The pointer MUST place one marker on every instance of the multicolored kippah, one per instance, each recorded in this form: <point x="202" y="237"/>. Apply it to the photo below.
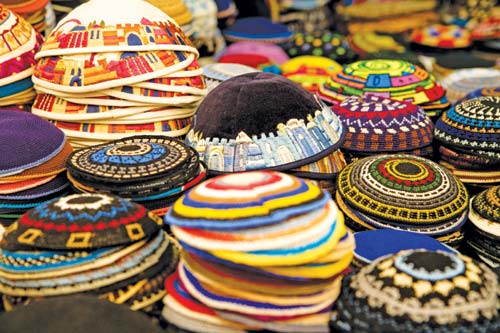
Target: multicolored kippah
<point x="396" y="79"/>
<point x="20" y="42"/>
<point x="147" y="79"/>
<point x="484" y="231"/>
<point x="402" y="192"/>
<point x="469" y="134"/>
<point x="258" y="29"/>
<point x="81" y="221"/>
<point x="151" y="170"/>
<point x="309" y="71"/>
<point x="427" y="291"/>
<point x="261" y="249"/>
<point x="322" y="44"/>
<point x="481" y="92"/>
<point x="442" y="37"/>
<point x="263" y="121"/>
<point x="377" y="125"/>
<point x="463" y="81"/>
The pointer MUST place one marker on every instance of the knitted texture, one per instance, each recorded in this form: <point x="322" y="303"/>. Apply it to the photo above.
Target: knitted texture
<point x="394" y="79"/>
<point x="85" y="221"/>
<point x="472" y="125"/>
<point x="402" y="189"/>
<point x="376" y="124"/>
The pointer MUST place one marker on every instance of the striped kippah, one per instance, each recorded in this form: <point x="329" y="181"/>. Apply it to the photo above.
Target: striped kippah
<point x="245" y="200"/>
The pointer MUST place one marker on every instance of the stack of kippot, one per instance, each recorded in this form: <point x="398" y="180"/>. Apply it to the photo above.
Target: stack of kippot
<point x="37" y="13"/>
<point x="310" y="71"/>
<point x="265" y="121"/>
<point x="322" y="44"/>
<point x="257" y="29"/>
<point x="134" y="72"/>
<point x="382" y="125"/>
<point x="469" y="134"/>
<point x="94" y="243"/>
<point x="215" y="73"/>
<point x="464" y="81"/>
<point x="19" y="44"/>
<point x="403" y="192"/>
<point x="151" y="170"/>
<point x="484" y="231"/>
<point x="33" y="162"/>
<point x="262" y="250"/>
<point x="394" y="79"/>
<point x="373" y="244"/>
<point x="420" y="292"/>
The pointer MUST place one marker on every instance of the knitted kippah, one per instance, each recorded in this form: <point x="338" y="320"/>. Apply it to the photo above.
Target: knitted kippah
<point x="442" y="36"/>
<point x="244" y="200"/>
<point x="473" y="124"/>
<point x="325" y="44"/>
<point x="394" y="79"/>
<point x="403" y="189"/>
<point x="26" y="141"/>
<point x="373" y="244"/>
<point x="77" y="314"/>
<point x="378" y="124"/>
<point x="259" y="29"/>
<point x="309" y="71"/>
<point x="131" y="159"/>
<point x="485" y="211"/>
<point x="261" y="120"/>
<point x="427" y="291"/>
<point x="81" y="221"/>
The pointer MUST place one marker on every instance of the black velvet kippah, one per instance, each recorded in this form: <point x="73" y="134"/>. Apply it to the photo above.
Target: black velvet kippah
<point x="253" y="103"/>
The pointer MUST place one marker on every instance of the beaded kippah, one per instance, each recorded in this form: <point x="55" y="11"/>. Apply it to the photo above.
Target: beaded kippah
<point x="378" y="124"/>
<point x="427" y="291"/>
<point x="81" y="221"/>
<point x="403" y="188"/>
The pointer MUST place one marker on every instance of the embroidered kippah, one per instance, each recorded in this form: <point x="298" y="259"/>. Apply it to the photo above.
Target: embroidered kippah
<point x="284" y="128"/>
<point x="378" y="124"/>
<point x="428" y="291"/>
<point x="472" y="124"/>
<point x="403" y="189"/>
<point x="27" y="141"/>
<point x="396" y="79"/>
<point x="81" y="221"/>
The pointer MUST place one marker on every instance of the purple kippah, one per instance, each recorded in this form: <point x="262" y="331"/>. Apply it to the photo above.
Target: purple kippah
<point x="26" y="141"/>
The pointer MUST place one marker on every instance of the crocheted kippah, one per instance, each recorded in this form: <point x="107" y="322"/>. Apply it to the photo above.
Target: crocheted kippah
<point x="485" y="211"/>
<point x="325" y="44"/>
<point x="309" y="71"/>
<point x="259" y="29"/>
<point x="26" y="141"/>
<point x="378" y="124"/>
<point x="263" y="121"/>
<point x="429" y="291"/>
<point x="442" y="37"/>
<point x="139" y="158"/>
<point x="373" y="244"/>
<point x="396" y="79"/>
<point x="81" y="221"/>
<point x="245" y="200"/>
<point x="473" y="124"/>
<point x="402" y="189"/>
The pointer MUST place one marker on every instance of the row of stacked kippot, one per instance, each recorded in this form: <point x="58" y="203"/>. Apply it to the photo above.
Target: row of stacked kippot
<point x="108" y="77"/>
